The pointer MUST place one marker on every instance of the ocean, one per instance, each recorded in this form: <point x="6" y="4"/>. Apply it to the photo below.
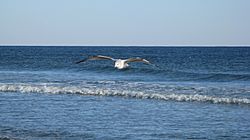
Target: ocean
<point x="188" y="93"/>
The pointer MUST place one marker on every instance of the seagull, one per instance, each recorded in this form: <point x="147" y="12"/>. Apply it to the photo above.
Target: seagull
<point x="119" y="63"/>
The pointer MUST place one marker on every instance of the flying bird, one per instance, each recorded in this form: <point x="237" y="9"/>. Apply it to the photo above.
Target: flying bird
<point x="119" y="63"/>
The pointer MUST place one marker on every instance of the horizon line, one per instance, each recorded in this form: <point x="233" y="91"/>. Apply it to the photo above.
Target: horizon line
<point x="129" y="45"/>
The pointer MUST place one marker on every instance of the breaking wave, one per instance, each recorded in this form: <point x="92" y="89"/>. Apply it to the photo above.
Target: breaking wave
<point x="55" y="89"/>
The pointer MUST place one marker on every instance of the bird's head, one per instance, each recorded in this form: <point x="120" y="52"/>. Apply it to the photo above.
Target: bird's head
<point x="118" y="63"/>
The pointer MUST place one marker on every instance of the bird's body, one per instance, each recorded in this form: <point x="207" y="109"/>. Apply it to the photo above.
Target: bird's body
<point x="119" y="63"/>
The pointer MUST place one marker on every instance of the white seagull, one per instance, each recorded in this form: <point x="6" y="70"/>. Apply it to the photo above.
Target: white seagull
<point x="119" y="63"/>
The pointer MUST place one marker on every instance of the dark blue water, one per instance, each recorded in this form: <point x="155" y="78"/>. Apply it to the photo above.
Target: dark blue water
<point x="188" y="93"/>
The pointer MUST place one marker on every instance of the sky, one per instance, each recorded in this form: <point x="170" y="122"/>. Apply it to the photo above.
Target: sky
<point x="125" y="22"/>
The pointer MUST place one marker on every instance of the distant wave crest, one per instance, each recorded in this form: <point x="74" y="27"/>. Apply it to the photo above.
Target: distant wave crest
<point x="52" y="89"/>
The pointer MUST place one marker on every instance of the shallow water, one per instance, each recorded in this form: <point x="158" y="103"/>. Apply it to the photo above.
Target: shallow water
<point x="189" y="93"/>
<point x="32" y="116"/>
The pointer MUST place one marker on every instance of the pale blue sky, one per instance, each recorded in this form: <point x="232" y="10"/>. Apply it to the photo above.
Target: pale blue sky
<point x="125" y="22"/>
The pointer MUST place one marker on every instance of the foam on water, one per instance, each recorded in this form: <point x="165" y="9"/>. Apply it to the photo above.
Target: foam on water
<point x="55" y="89"/>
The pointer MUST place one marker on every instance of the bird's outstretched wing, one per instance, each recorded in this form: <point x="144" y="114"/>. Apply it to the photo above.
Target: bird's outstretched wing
<point x="98" y="57"/>
<point x="137" y="60"/>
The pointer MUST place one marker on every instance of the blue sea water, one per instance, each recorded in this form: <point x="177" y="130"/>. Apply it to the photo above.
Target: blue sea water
<point x="188" y="93"/>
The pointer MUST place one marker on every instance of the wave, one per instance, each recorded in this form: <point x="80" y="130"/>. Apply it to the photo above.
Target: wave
<point x="211" y="76"/>
<point x="52" y="89"/>
<point x="161" y="72"/>
<point x="221" y="77"/>
<point x="136" y="73"/>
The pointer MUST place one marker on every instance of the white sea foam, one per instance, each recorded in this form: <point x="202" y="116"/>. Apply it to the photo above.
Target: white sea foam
<point x="54" y="89"/>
